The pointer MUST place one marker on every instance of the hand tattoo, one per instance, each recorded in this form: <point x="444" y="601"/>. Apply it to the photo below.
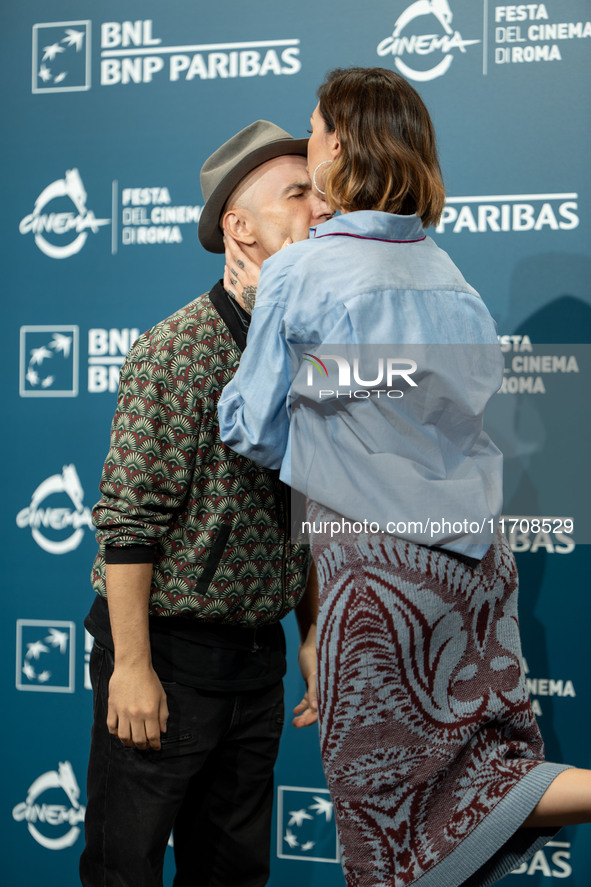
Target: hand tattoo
<point x="240" y="263"/>
<point x="249" y="294"/>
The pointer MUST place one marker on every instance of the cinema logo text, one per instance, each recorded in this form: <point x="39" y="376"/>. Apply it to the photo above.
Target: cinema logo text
<point x="509" y="212"/>
<point x="130" y="53"/>
<point x="54" y="826"/>
<point x="518" y="41"/>
<point x="55" y="525"/>
<point x="148" y="216"/>
<point x="67" y="229"/>
<point x="526" y="366"/>
<point x="408" y="41"/>
<point x="544" y="688"/>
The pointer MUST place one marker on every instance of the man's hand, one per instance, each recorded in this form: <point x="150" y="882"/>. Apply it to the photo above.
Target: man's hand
<point x="138" y="710"/>
<point x="307" y="710"/>
<point x="241" y="274"/>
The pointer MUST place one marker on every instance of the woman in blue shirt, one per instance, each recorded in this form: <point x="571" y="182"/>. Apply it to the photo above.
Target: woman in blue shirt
<point x="368" y="367"/>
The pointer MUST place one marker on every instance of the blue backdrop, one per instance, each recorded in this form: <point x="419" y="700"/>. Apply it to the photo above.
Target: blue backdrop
<point x="109" y="111"/>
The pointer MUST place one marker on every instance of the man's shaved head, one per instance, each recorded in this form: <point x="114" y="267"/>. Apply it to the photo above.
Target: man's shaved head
<point x="272" y="203"/>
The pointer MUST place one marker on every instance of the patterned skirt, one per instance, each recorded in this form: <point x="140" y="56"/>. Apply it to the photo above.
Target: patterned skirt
<point x="429" y="743"/>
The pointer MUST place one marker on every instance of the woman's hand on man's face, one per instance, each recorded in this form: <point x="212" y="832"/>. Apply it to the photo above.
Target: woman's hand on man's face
<point x="241" y="274"/>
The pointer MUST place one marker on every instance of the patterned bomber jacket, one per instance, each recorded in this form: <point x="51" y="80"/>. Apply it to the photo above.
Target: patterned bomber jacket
<point x="218" y="522"/>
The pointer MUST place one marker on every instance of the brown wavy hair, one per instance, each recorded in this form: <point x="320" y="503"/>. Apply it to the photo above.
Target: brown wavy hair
<point x="388" y="159"/>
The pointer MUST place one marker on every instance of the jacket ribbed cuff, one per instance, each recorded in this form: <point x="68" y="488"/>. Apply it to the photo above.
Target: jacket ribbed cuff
<point x="129" y="554"/>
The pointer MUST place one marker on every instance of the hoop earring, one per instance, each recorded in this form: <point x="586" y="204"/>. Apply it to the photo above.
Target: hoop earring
<point x="320" y="191"/>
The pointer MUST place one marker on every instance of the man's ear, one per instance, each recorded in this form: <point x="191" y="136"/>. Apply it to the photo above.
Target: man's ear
<point x="238" y="224"/>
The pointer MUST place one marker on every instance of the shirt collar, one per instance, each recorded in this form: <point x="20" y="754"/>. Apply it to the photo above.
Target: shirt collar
<point x="372" y="225"/>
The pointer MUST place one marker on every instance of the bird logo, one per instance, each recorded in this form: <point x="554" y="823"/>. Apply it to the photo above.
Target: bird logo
<point x="61" y="60"/>
<point x="45" y="655"/>
<point x="307" y="830"/>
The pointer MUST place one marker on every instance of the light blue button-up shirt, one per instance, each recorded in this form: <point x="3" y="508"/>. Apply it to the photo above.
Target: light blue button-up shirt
<point x="368" y="366"/>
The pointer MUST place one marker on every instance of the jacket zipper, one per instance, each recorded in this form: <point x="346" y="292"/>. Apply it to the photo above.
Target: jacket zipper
<point x="286" y="541"/>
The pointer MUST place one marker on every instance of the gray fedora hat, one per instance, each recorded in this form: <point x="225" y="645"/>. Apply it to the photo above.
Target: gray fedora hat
<point x="225" y="169"/>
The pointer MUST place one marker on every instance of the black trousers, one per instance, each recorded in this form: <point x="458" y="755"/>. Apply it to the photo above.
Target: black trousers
<point x="211" y="784"/>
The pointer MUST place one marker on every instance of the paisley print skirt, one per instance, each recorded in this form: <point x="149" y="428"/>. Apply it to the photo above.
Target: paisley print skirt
<point x="429" y="744"/>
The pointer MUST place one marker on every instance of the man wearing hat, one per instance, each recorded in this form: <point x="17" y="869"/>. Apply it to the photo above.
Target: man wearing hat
<point x="198" y="565"/>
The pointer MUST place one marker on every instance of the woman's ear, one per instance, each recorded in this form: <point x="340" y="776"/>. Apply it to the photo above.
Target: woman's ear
<point x="237" y="223"/>
<point x="335" y="145"/>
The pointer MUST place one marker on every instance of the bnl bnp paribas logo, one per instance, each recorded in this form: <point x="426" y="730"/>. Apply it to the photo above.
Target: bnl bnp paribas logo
<point x="131" y="53"/>
<point x="50" y="354"/>
<point x="424" y="41"/>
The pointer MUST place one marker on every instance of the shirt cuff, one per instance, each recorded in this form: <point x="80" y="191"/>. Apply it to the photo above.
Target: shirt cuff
<point x="129" y="554"/>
